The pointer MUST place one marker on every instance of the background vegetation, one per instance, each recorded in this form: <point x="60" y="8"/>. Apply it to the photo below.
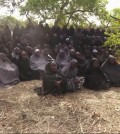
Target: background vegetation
<point x="77" y="13"/>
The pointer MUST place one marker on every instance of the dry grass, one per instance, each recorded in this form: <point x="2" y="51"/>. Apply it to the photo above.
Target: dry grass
<point x="22" y="111"/>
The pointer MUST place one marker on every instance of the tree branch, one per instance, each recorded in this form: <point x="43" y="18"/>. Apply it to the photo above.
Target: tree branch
<point x="60" y="12"/>
<point x="75" y="11"/>
<point x="87" y="20"/>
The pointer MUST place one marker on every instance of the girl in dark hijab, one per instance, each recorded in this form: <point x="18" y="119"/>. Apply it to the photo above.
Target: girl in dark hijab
<point x="112" y="69"/>
<point x="53" y="81"/>
<point x="15" y="55"/>
<point x="71" y="55"/>
<point x="26" y="73"/>
<point x="81" y="64"/>
<point x="29" y="51"/>
<point x="94" y="77"/>
<point x="87" y="54"/>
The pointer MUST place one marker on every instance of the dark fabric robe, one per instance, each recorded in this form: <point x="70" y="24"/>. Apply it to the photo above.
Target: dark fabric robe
<point x="113" y="72"/>
<point x="49" y="80"/>
<point x="95" y="79"/>
<point x="26" y="73"/>
<point x="81" y="65"/>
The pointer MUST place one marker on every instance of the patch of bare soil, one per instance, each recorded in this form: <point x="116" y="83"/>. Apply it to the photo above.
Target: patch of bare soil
<point x="22" y="111"/>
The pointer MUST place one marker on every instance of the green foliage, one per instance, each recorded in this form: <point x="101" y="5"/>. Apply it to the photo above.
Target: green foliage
<point x="11" y="5"/>
<point x="67" y="12"/>
<point x="10" y="21"/>
<point x="114" y="29"/>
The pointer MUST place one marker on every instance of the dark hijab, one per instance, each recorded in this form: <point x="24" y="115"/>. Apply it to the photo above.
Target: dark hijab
<point x="81" y="65"/>
<point x="94" y="77"/>
<point x="24" y="63"/>
<point x="26" y="73"/>
<point x="50" y="78"/>
<point x="112" y="69"/>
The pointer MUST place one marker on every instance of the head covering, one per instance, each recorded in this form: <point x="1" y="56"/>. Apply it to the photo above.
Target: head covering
<point x="66" y="50"/>
<point x="14" y="54"/>
<point x="62" y="61"/>
<point x="70" y="73"/>
<point x="8" y="71"/>
<point x="111" y="56"/>
<point x="93" y="60"/>
<point x="37" y="50"/>
<point x="107" y="61"/>
<point x="38" y="62"/>
<point x="112" y="70"/>
<point x="94" y="77"/>
<point x="95" y="51"/>
<point x="48" y="66"/>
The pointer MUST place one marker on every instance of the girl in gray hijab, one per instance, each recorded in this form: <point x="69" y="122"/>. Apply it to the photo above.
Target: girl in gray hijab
<point x="70" y="72"/>
<point x="8" y="71"/>
<point x="37" y="61"/>
<point x="61" y="59"/>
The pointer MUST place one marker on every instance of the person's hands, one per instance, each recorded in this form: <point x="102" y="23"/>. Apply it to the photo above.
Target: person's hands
<point x="58" y="83"/>
<point x="76" y="81"/>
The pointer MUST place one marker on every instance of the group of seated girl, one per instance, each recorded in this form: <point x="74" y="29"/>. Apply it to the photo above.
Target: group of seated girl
<point x="96" y="76"/>
<point x="57" y="82"/>
<point x="69" y="72"/>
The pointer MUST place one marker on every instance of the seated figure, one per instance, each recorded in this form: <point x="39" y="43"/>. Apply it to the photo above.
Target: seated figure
<point x="95" y="79"/>
<point x="8" y="71"/>
<point x="26" y="73"/>
<point x="38" y="61"/>
<point x="70" y="72"/>
<point x="61" y="59"/>
<point x="53" y="81"/>
<point x="112" y="69"/>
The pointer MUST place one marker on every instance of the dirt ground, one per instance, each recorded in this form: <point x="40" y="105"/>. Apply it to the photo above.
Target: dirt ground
<point x="86" y="111"/>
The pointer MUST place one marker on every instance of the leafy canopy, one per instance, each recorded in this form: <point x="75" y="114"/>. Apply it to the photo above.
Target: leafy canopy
<point x="114" y="29"/>
<point x="64" y="12"/>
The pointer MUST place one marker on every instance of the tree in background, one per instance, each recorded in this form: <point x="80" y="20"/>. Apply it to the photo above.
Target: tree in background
<point x="10" y="4"/>
<point x="113" y="31"/>
<point x="60" y="12"/>
<point x="10" y="21"/>
<point x="64" y="12"/>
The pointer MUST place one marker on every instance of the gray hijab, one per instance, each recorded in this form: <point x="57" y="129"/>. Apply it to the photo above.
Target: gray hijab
<point x="70" y="73"/>
<point x="8" y="71"/>
<point x="38" y="63"/>
<point x="61" y="61"/>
